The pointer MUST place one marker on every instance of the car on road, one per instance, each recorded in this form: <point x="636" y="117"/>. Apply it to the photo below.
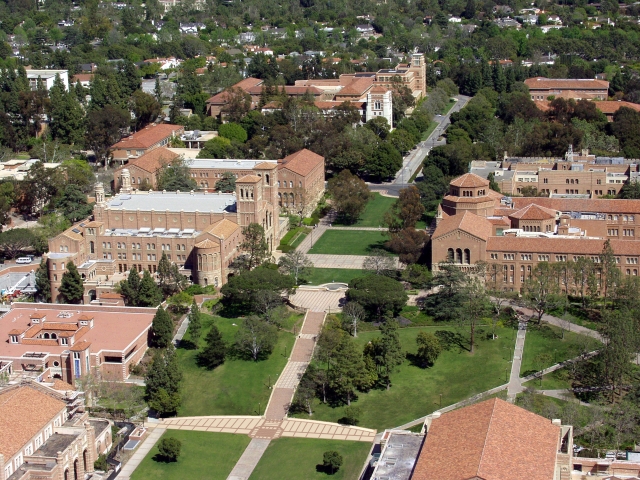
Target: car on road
<point x="24" y="260"/>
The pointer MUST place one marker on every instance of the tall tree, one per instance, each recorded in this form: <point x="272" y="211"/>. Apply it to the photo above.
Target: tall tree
<point x="254" y="245"/>
<point x="195" y="324"/>
<point x="66" y="117"/>
<point x="379" y="262"/>
<point x="43" y="285"/>
<point x="215" y="350"/>
<point x="609" y="271"/>
<point x="348" y="371"/>
<point x="406" y="211"/>
<point x="390" y="353"/>
<point x="71" y="286"/>
<point x="130" y="287"/>
<point x="104" y="128"/>
<point x="377" y="294"/>
<point x="176" y="176"/>
<point x="350" y="196"/>
<point x="169" y="277"/>
<point x="541" y="290"/>
<point x="475" y="307"/>
<point x="296" y="264"/>
<point x="256" y="338"/>
<point x="353" y="314"/>
<point x="162" y="382"/>
<point x="429" y="348"/>
<point x="226" y="183"/>
<point x="149" y="294"/>
<point x="162" y="328"/>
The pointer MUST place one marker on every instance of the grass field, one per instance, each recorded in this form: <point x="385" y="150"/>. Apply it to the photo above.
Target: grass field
<point x="374" y="211"/>
<point x="449" y="106"/>
<point x="327" y="275"/>
<point x="297" y="459"/>
<point x="415" y="391"/>
<point x="204" y="455"/>
<point x="238" y="387"/>
<point x="349" y="242"/>
<point x="558" y="380"/>
<point x="548" y="339"/>
<point x="427" y="132"/>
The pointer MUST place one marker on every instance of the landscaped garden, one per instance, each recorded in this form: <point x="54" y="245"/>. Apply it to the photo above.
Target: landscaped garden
<point x="349" y="242"/>
<point x="301" y="458"/>
<point x="416" y="391"/>
<point x="319" y="276"/>
<point x="237" y="387"/>
<point x="374" y="211"/>
<point x="203" y="455"/>
<point x="544" y="346"/>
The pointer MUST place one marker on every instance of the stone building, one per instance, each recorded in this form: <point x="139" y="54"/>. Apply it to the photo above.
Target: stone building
<point x="47" y="435"/>
<point x="67" y="342"/>
<point x="541" y="88"/>
<point x="150" y="137"/>
<point x="199" y="231"/>
<point x="511" y="235"/>
<point x="300" y="179"/>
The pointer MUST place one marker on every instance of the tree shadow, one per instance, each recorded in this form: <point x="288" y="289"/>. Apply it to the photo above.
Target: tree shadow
<point x="416" y="361"/>
<point x="321" y="468"/>
<point x="186" y="345"/>
<point x="449" y="340"/>
<point x="162" y="459"/>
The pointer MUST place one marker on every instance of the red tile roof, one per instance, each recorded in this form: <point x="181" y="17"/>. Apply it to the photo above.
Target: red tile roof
<point x="468" y="222"/>
<point x="491" y="440"/>
<point x="560" y="245"/>
<point x="534" y="212"/>
<point x="152" y="161"/>
<point x="149" y="136"/>
<point x="470" y="180"/>
<point x="581" y="205"/>
<point x="565" y="83"/>
<point x="24" y="411"/>
<point x="358" y="87"/>
<point x="245" y="85"/>
<point x="302" y="162"/>
<point x="613" y="107"/>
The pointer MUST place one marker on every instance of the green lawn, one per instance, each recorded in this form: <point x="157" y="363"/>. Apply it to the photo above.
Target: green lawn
<point x="449" y="106"/>
<point x="204" y="455"/>
<point x="349" y="242"/>
<point x="374" y="211"/>
<point x="548" y="339"/>
<point x="327" y="275"/>
<point x="558" y="380"/>
<point x="428" y="131"/>
<point x="297" y="459"/>
<point x="235" y="388"/>
<point x="415" y="392"/>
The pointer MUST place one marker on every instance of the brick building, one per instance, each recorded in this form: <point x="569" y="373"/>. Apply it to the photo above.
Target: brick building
<point x="475" y="224"/>
<point x="301" y="174"/>
<point x="199" y="231"/>
<point x="66" y="342"/>
<point x="541" y="88"/>
<point x="46" y="435"/>
<point x="494" y="440"/>
<point x="150" y="137"/>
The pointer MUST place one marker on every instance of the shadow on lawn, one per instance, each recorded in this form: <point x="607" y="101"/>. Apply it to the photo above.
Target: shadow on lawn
<point x="162" y="459"/>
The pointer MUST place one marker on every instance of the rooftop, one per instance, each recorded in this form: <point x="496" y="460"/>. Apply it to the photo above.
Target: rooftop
<point x="470" y="180"/>
<point x="302" y="162"/>
<point x="227" y="163"/>
<point x="475" y="225"/>
<point x="151" y="161"/>
<point x="148" y="136"/>
<point x="566" y="83"/>
<point x="24" y="411"/>
<point x="175" y="202"/>
<point x="399" y="456"/>
<point x="58" y="442"/>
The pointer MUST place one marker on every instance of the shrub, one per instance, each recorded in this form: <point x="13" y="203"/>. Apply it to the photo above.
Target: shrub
<point x="332" y="461"/>
<point x="101" y="463"/>
<point x="286" y="248"/>
<point x="169" y="449"/>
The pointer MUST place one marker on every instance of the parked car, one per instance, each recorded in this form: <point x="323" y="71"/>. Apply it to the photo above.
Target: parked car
<point x="24" y="260"/>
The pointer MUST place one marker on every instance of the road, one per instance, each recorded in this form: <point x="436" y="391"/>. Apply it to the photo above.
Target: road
<point x="413" y="161"/>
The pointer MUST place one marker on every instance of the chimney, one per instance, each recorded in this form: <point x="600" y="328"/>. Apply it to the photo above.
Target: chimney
<point x="557" y="422"/>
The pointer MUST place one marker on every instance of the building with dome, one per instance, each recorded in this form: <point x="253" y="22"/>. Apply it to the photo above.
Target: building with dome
<point x="475" y="224"/>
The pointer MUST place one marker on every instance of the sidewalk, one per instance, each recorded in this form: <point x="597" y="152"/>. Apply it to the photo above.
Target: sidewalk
<point x="142" y="451"/>
<point x="249" y="459"/>
<point x="515" y="383"/>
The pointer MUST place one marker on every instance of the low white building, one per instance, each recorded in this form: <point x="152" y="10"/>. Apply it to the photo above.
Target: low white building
<point x="47" y="77"/>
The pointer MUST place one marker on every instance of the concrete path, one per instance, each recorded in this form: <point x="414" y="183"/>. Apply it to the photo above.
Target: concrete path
<point x="319" y="299"/>
<point x="515" y="383"/>
<point x="142" y="451"/>
<point x="566" y="395"/>
<point x="341" y="261"/>
<point x="182" y="329"/>
<point x="249" y="459"/>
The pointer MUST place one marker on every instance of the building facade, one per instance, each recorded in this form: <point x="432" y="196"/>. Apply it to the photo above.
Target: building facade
<point x="512" y="235"/>
<point x="150" y="137"/>
<point x="300" y="181"/>
<point x="541" y="88"/>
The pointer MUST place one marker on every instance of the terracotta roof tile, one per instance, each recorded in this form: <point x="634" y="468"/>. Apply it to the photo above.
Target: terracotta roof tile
<point x="302" y="162"/>
<point x="565" y="83"/>
<point x="24" y="411"/>
<point x="60" y="326"/>
<point x="72" y="235"/>
<point x="534" y="212"/>
<point x="207" y="243"/>
<point x="80" y="346"/>
<point x="581" y="205"/>
<point x="223" y="229"/>
<point x="266" y="166"/>
<point x="491" y="440"/>
<point x="148" y="136"/>
<point x="15" y="331"/>
<point x="37" y="315"/>
<point x="613" y="107"/>
<point x="246" y="84"/>
<point x="111" y="295"/>
<point x="470" y="180"/>
<point x="358" y="87"/>
<point x="152" y="161"/>
<point x="561" y="245"/>
<point x="62" y="385"/>
<point x="39" y="341"/>
<point x="477" y="226"/>
<point x="249" y="179"/>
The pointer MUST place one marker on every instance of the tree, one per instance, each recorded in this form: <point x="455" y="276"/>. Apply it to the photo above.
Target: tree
<point x="384" y="163"/>
<point x="130" y="287"/>
<point x="353" y="314"/>
<point x="406" y="211"/>
<point x="409" y="243"/>
<point x="622" y="342"/>
<point x="609" y="271"/>
<point x="104" y="129"/>
<point x="377" y="294"/>
<point x="157" y="91"/>
<point x="390" y="352"/>
<point x="176" y="176"/>
<point x="349" y="195"/>
<point x="541" y="290"/>
<point x="242" y="291"/>
<point x="306" y="391"/>
<point x="348" y="371"/>
<point x="71" y="287"/>
<point x="379" y="263"/>
<point x="256" y="338"/>
<point x="43" y="285"/>
<point x="162" y="382"/>
<point x="429" y="348"/>
<point x="145" y="108"/>
<point x="36" y="191"/>
<point x="169" y="449"/>
<point x="15" y="241"/>
<point x="149" y="294"/>
<point x="238" y="104"/>
<point x="233" y="131"/>
<point x="79" y="173"/>
<point x="475" y="307"/>
<point x="66" y="117"/>
<point x="332" y="461"/>
<point x="195" y="324"/>
<point x="215" y="351"/>
<point x="296" y="264"/>
<point x="169" y="277"/>
<point x="73" y="204"/>
<point x="226" y="183"/>
<point x="162" y="328"/>
<point x="540" y="361"/>
<point x="254" y="244"/>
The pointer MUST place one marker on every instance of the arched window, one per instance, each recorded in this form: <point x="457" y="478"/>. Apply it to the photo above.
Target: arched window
<point x="279" y="199"/>
<point x="290" y="184"/>
<point x="266" y="176"/>
<point x="46" y="335"/>
<point x="467" y="256"/>
<point x="450" y="255"/>
<point x="458" y="255"/>
<point x="92" y="247"/>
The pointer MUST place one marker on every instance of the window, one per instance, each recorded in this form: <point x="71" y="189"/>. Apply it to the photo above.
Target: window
<point x="561" y="258"/>
<point x="63" y="341"/>
<point x="494" y="256"/>
<point x="613" y="232"/>
<point x="633" y="261"/>
<point x="546" y="180"/>
<point x="628" y="232"/>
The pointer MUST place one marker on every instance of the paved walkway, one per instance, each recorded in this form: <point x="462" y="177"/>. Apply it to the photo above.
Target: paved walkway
<point x="145" y="447"/>
<point x="341" y="261"/>
<point x="318" y="299"/>
<point x="249" y="459"/>
<point x="515" y="383"/>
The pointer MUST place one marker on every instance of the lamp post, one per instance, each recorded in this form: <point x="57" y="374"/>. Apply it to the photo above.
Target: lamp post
<point x="259" y="409"/>
<point x="440" y="400"/>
